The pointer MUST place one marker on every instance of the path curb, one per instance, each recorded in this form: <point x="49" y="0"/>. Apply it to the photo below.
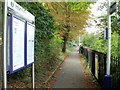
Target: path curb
<point x="55" y="69"/>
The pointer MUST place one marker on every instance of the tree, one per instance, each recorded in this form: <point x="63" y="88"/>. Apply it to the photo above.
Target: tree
<point x="99" y="42"/>
<point x="71" y="17"/>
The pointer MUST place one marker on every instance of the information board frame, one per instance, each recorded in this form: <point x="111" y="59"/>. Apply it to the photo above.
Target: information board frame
<point x="11" y="8"/>
<point x="26" y="45"/>
<point x="11" y="43"/>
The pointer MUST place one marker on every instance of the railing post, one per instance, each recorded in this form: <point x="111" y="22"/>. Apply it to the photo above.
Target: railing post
<point x="105" y="63"/>
<point x="93" y="62"/>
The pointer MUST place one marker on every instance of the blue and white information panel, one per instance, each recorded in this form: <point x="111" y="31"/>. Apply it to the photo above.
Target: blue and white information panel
<point x="30" y="43"/>
<point x="17" y="43"/>
<point x="20" y="38"/>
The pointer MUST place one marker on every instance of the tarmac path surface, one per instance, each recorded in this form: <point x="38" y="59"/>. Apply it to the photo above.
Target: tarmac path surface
<point x="71" y="74"/>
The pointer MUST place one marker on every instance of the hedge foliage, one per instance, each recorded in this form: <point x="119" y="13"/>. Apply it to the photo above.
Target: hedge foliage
<point x="47" y="45"/>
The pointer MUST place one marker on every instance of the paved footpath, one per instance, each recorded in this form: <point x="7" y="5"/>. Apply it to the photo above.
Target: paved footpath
<point x="71" y="74"/>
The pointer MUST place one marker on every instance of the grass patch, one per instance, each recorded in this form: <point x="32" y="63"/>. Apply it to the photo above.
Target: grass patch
<point x="84" y="62"/>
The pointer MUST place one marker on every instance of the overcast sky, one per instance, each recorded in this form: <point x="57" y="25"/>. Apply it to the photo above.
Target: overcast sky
<point x="96" y="13"/>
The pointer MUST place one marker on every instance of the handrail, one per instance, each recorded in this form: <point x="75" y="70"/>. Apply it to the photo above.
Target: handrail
<point x="93" y="49"/>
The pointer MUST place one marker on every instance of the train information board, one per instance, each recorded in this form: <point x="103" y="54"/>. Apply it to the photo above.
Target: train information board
<point x="17" y="38"/>
<point x="30" y="43"/>
<point x="21" y="31"/>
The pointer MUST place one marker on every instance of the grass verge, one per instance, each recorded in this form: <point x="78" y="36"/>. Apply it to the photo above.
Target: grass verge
<point x="91" y="81"/>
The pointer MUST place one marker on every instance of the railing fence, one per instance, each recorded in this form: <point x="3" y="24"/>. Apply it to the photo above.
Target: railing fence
<point x="97" y="62"/>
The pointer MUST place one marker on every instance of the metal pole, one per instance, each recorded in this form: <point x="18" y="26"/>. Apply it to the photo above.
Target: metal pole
<point x="33" y="76"/>
<point x="4" y="44"/>
<point x="108" y="76"/>
<point x="109" y="40"/>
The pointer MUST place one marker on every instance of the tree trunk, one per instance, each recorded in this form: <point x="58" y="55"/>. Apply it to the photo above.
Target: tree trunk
<point x="67" y="26"/>
<point x="64" y="45"/>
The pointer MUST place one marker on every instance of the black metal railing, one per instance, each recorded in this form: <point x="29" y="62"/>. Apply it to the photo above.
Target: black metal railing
<point x="115" y="72"/>
<point x="97" y="62"/>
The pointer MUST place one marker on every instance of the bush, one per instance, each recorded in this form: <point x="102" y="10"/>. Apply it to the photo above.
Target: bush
<point x="97" y="42"/>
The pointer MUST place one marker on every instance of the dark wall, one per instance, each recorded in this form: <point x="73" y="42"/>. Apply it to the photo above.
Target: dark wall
<point x="0" y="45"/>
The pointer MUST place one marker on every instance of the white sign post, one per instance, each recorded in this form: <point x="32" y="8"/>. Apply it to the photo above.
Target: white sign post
<point x="108" y="76"/>
<point x="4" y="44"/>
<point x="30" y="49"/>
